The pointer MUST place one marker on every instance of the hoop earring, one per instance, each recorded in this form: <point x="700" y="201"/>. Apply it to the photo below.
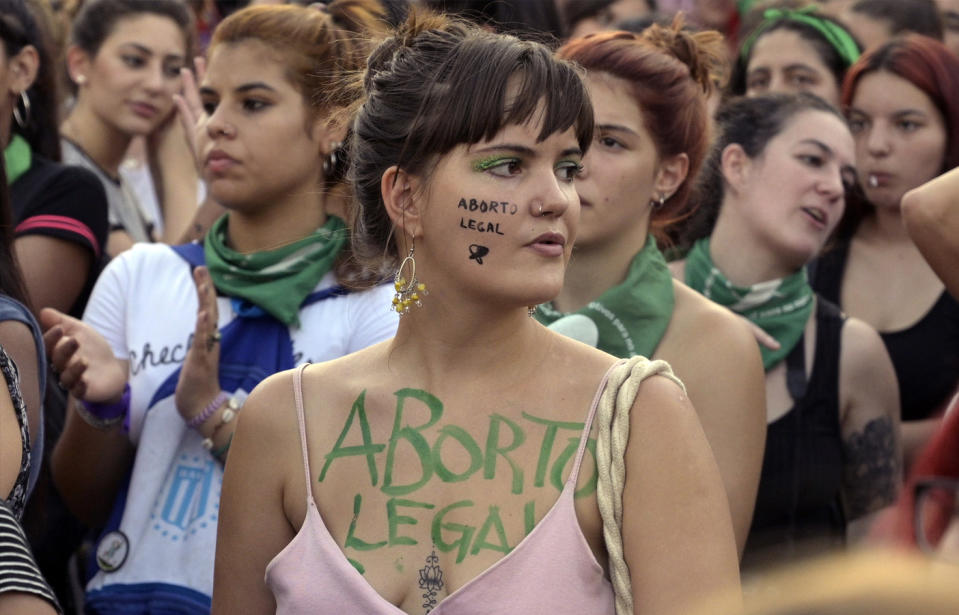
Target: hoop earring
<point x="329" y="164"/>
<point x="22" y="120"/>
<point x="409" y="292"/>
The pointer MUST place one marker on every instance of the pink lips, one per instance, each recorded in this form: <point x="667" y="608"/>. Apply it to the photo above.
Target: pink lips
<point x="144" y="110"/>
<point x="217" y="161"/>
<point x="548" y="244"/>
<point x="877" y="179"/>
<point x="817" y="217"/>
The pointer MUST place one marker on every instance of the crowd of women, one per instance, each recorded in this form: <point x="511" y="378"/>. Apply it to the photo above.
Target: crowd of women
<point x="452" y="306"/>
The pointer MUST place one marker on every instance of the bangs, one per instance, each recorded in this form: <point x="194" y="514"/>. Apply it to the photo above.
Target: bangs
<point x="493" y="81"/>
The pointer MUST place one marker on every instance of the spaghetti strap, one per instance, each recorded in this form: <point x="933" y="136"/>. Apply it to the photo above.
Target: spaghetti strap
<point x="587" y="426"/>
<point x="301" y="419"/>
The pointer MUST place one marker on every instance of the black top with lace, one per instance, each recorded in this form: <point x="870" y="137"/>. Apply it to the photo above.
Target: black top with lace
<point x="17" y="498"/>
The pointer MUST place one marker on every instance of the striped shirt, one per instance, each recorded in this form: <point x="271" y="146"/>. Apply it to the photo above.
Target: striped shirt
<point x="18" y="570"/>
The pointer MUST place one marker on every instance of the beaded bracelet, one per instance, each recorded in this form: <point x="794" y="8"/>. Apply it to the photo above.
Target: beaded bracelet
<point x="104" y="416"/>
<point x="228" y="415"/>
<point x="220" y="452"/>
<point x="212" y="407"/>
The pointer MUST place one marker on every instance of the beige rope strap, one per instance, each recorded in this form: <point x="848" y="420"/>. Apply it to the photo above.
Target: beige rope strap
<point x="612" y="437"/>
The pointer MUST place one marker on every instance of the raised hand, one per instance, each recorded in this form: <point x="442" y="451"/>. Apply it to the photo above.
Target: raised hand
<point x="83" y="358"/>
<point x="199" y="383"/>
<point x="188" y="104"/>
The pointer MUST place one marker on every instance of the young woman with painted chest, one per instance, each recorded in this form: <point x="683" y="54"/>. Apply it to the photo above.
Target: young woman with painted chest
<point x="433" y="462"/>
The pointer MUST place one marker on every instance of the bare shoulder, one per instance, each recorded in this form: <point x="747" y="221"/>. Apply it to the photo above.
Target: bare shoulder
<point x="860" y="341"/>
<point x="662" y="411"/>
<point x="17" y="339"/>
<point x="867" y="377"/>
<point x="576" y="363"/>
<point x="346" y="375"/>
<point x="260" y="410"/>
<point x="709" y="329"/>
<point x="864" y="358"/>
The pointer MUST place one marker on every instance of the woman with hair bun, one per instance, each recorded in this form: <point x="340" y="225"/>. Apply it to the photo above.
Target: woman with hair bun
<point x="649" y="96"/>
<point x="451" y="469"/>
<point x="173" y="339"/>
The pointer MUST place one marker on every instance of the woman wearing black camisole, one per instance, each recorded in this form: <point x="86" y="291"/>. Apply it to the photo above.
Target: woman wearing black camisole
<point x="905" y="120"/>
<point x="771" y="192"/>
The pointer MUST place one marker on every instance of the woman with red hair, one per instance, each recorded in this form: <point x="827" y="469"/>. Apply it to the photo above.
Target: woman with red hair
<point x="901" y="102"/>
<point x="649" y="96"/>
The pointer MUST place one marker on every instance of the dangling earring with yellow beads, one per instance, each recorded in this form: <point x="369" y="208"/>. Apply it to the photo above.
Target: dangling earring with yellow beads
<point x="409" y="292"/>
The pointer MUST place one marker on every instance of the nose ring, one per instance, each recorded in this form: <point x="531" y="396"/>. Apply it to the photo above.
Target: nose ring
<point x="540" y="210"/>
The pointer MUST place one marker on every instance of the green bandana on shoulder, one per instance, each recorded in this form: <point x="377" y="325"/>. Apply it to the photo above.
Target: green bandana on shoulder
<point x="17" y="158"/>
<point x="275" y="280"/>
<point x="779" y="307"/>
<point x="630" y="318"/>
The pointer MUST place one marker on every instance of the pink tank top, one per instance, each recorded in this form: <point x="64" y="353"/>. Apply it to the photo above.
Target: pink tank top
<point x="551" y="571"/>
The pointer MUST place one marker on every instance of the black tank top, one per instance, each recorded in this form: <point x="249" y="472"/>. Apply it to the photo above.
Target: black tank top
<point x="925" y="355"/>
<point x="798" y="507"/>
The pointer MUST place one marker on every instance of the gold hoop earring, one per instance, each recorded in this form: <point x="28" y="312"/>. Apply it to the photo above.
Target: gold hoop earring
<point x="409" y="292"/>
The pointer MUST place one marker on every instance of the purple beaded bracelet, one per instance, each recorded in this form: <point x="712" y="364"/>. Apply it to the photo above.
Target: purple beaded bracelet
<point x="212" y="407"/>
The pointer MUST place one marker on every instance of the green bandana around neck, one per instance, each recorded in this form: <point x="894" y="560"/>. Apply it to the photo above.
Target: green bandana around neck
<point x="277" y="280"/>
<point x="628" y="319"/>
<point x="778" y="307"/>
<point x="17" y="157"/>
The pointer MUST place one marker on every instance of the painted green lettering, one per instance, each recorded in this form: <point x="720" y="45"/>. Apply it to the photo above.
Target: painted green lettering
<point x="367" y="448"/>
<point x="529" y="516"/>
<point x="359" y="567"/>
<point x="494" y="522"/>
<point x="352" y="542"/>
<point x="413" y="436"/>
<point x="493" y="448"/>
<point x="465" y="532"/>
<point x="394" y="519"/>
<point x="469" y="445"/>
<point x="546" y="448"/>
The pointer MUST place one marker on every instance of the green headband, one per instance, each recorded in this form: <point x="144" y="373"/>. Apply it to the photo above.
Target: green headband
<point x="835" y="35"/>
